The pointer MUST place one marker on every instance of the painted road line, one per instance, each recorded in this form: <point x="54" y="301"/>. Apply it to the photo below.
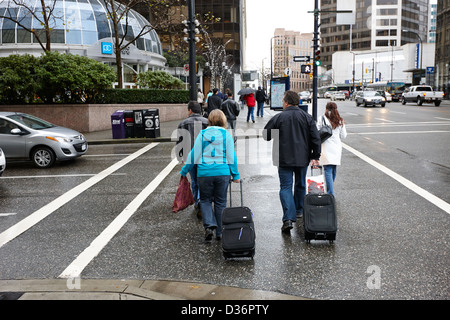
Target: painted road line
<point x="60" y="176"/>
<point x="398" y="112"/>
<point x="410" y="185"/>
<point x="384" y="120"/>
<point x="7" y="214"/>
<point x="48" y="209"/>
<point x="77" y="266"/>
<point x="395" y="132"/>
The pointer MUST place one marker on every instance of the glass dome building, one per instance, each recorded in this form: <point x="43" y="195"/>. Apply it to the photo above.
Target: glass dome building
<point x="80" y="27"/>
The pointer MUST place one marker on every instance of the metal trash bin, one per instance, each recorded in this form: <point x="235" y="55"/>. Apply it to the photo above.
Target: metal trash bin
<point x="118" y="125"/>
<point x="151" y="123"/>
<point x="129" y="123"/>
<point x="139" y="129"/>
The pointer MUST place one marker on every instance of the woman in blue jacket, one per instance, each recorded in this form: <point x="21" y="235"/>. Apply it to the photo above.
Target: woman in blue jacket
<point x="214" y="154"/>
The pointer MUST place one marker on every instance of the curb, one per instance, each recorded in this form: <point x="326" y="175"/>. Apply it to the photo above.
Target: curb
<point x="121" y="289"/>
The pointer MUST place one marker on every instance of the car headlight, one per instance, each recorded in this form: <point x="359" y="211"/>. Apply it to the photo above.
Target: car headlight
<point x="60" y="139"/>
<point x="369" y="99"/>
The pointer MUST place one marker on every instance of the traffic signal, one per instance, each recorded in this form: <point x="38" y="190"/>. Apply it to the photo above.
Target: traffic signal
<point x="317" y="58"/>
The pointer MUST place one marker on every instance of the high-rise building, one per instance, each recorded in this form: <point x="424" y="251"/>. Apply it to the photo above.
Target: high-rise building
<point x="442" y="58"/>
<point x="378" y="24"/>
<point x="287" y="45"/>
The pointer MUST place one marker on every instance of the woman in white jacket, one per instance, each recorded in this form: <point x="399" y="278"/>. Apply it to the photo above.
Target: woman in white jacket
<point x="332" y="148"/>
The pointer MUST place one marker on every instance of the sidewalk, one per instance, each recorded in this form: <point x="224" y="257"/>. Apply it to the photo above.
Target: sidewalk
<point x="105" y="136"/>
<point x="116" y="289"/>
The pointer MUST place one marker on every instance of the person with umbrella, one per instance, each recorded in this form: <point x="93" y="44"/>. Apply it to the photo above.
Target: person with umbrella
<point x="249" y="98"/>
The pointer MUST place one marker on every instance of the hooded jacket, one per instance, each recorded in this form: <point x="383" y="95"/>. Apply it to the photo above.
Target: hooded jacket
<point x="214" y="154"/>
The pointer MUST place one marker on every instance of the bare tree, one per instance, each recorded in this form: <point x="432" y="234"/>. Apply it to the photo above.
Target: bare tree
<point x="216" y="58"/>
<point x="163" y="12"/>
<point x="23" y="12"/>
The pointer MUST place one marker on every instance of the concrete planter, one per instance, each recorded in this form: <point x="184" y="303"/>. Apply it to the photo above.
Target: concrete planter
<point x="93" y="117"/>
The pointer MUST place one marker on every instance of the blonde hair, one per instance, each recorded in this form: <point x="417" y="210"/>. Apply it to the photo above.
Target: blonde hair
<point x="217" y="118"/>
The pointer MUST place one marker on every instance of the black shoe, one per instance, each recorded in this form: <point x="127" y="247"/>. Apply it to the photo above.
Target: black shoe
<point x="287" y="226"/>
<point x="209" y="234"/>
<point x="253" y="121"/>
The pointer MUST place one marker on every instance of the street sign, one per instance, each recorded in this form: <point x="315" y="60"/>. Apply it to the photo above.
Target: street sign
<point x="301" y="58"/>
<point x="288" y="72"/>
<point x="306" y="68"/>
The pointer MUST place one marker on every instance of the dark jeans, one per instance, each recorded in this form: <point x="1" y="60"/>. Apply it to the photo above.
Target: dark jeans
<point x="292" y="203"/>
<point x="213" y="189"/>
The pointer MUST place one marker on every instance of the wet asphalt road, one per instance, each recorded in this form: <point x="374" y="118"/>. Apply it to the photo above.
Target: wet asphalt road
<point x="392" y="240"/>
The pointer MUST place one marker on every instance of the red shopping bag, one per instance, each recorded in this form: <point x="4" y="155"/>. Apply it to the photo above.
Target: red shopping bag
<point x="184" y="197"/>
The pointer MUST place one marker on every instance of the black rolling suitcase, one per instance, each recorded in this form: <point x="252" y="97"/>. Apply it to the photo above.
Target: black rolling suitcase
<point x="319" y="217"/>
<point x="238" y="231"/>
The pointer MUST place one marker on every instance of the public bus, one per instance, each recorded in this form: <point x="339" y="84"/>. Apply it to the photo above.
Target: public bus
<point x="395" y="88"/>
<point x="322" y="91"/>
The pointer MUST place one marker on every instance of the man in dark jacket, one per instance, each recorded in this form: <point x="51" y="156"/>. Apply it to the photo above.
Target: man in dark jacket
<point x="187" y="132"/>
<point x="231" y="110"/>
<point x="214" y="101"/>
<point x="296" y="144"/>
<point x="260" y="99"/>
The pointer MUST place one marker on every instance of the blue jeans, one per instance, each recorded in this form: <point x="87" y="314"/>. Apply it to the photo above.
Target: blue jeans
<point x="260" y="109"/>
<point x="194" y="184"/>
<point x="292" y="203"/>
<point x="330" y="176"/>
<point x="250" y="112"/>
<point x="213" y="189"/>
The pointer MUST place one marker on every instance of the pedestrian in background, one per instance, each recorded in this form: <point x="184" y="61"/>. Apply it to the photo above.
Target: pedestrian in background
<point x="231" y="110"/>
<point x="250" y="100"/>
<point x="200" y="98"/>
<point x="214" y="101"/>
<point x="260" y="99"/>
<point x="216" y="160"/>
<point x="296" y="145"/>
<point x="331" y="154"/>
<point x="187" y="132"/>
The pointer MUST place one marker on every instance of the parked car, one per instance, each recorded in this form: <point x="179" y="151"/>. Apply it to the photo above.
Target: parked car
<point x="2" y="162"/>
<point x="370" y="98"/>
<point x="338" y="95"/>
<point x="305" y="96"/>
<point x="421" y="94"/>
<point x="26" y="136"/>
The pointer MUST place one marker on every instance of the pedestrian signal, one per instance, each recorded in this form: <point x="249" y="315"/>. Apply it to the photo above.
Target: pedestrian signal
<point x="306" y="68"/>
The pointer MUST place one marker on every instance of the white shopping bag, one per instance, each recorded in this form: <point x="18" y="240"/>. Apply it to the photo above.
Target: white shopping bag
<point x="315" y="184"/>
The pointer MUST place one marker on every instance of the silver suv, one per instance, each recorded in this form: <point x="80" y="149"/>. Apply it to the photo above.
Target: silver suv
<point x="26" y="136"/>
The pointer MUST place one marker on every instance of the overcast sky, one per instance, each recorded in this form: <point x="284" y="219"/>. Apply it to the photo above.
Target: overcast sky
<point x="263" y="16"/>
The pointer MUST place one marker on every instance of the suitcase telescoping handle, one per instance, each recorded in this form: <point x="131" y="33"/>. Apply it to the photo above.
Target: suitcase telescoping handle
<point x="242" y="197"/>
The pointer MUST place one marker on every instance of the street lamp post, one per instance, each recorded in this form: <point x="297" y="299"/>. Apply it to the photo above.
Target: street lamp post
<point x="421" y="47"/>
<point x="192" y="40"/>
